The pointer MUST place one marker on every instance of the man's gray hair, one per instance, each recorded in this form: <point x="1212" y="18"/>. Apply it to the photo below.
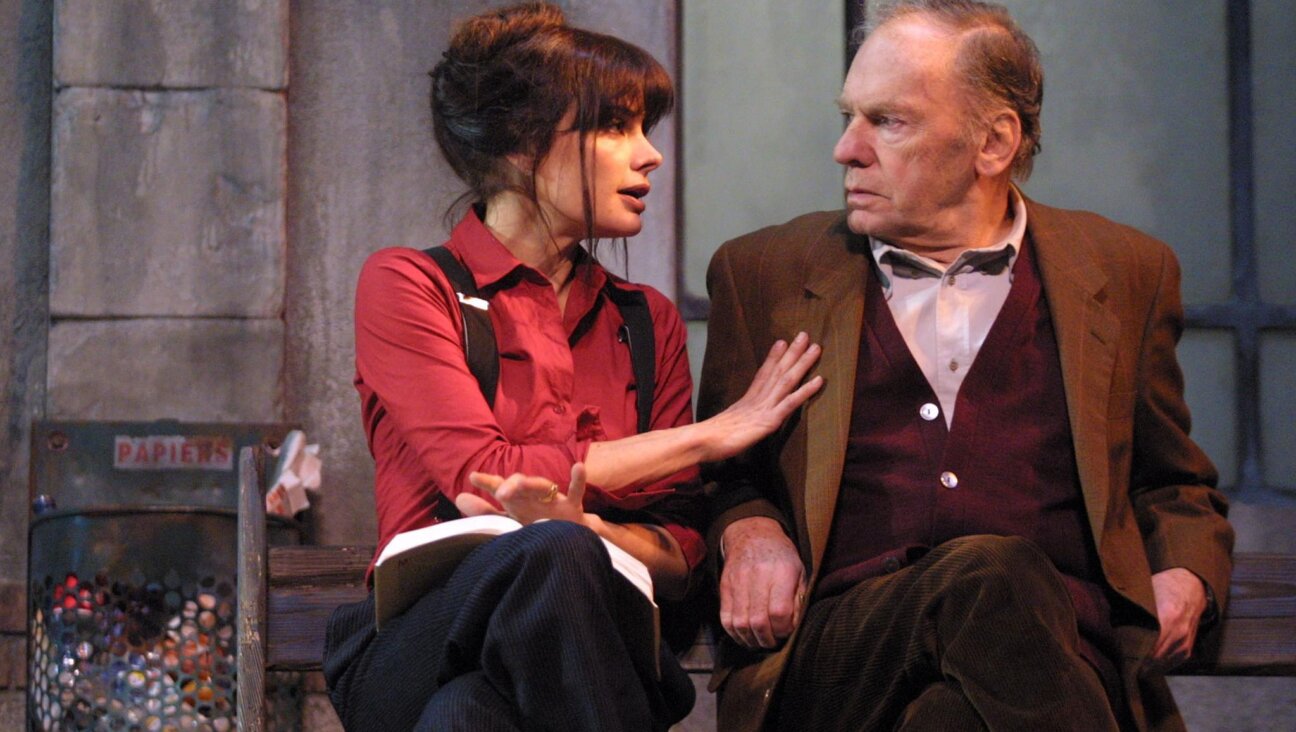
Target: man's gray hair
<point x="998" y="63"/>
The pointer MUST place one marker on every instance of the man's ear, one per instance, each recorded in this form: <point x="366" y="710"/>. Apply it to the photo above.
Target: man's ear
<point x="1003" y="137"/>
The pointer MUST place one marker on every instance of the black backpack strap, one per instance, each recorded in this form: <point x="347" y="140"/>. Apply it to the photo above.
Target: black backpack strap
<point x="479" y="335"/>
<point x="638" y="335"/>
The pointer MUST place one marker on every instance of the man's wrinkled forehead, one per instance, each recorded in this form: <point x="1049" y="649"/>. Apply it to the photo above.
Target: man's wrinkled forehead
<point x="902" y="60"/>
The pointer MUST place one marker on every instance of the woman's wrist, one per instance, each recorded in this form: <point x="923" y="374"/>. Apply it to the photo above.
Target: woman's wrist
<point x="707" y="441"/>
<point x="595" y="523"/>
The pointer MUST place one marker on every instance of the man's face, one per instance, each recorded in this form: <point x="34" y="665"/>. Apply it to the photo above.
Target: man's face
<point x="909" y="162"/>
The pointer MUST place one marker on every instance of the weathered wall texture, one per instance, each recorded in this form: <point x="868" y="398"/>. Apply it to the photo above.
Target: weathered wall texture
<point x="172" y="44"/>
<point x="167" y="208"/>
<point x="24" y="220"/>
<point x="168" y="203"/>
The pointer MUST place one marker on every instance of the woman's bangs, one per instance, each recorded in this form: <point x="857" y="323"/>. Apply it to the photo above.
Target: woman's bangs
<point x="625" y="79"/>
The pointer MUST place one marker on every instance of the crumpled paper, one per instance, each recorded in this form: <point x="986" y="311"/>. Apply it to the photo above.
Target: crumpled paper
<point x="296" y="471"/>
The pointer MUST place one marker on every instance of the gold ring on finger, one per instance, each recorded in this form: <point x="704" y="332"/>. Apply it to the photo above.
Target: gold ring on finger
<point x="550" y="494"/>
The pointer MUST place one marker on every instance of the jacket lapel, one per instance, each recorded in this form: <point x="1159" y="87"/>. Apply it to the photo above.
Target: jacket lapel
<point x="833" y="309"/>
<point x="1087" y="333"/>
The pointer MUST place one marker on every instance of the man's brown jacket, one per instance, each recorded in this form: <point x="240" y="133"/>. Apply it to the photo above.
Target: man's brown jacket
<point x="1114" y="296"/>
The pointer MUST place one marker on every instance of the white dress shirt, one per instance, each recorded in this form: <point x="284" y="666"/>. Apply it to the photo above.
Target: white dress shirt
<point x="945" y="313"/>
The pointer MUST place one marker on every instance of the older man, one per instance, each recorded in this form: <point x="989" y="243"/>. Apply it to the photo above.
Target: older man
<point x="992" y="517"/>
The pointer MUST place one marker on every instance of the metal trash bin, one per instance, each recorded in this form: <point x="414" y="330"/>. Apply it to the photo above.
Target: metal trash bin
<point x="132" y="574"/>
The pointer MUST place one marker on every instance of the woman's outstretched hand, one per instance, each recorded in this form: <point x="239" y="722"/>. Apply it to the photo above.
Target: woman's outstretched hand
<point x="775" y="393"/>
<point x="527" y="498"/>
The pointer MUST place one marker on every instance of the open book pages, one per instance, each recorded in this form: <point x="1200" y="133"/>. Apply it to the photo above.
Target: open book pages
<point x="416" y="561"/>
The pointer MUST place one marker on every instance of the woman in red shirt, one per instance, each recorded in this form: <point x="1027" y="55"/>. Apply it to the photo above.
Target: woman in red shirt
<point x="546" y="124"/>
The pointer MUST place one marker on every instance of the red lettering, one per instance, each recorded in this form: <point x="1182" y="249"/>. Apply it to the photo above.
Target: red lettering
<point x="123" y="451"/>
<point x="187" y="453"/>
<point x="159" y="451"/>
<point x="141" y="453"/>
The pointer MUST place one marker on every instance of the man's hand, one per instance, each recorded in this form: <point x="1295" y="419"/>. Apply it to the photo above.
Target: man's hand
<point x="1180" y="602"/>
<point x="762" y="583"/>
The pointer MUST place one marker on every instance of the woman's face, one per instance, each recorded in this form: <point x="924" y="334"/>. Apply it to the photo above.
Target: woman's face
<point x="618" y="161"/>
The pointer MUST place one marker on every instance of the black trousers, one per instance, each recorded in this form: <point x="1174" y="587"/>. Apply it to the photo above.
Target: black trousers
<point x="978" y="634"/>
<point x="523" y="636"/>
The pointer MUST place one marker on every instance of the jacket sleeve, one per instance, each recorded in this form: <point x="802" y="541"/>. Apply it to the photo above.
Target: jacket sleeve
<point x="1180" y="512"/>
<point x="736" y="343"/>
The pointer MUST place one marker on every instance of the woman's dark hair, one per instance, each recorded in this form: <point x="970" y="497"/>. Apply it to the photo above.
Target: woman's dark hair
<point x="509" y="77"/>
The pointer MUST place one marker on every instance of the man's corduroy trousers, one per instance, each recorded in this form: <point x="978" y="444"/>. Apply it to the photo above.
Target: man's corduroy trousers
<point x="977" y="634"/>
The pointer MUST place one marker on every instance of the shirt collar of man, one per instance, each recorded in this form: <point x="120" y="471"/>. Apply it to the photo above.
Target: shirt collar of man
<point x="993" y="260"/>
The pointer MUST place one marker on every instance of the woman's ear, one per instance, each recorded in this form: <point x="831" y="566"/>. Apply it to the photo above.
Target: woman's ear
<point x="521" y="161"/>
<point x="1003" y="136"/>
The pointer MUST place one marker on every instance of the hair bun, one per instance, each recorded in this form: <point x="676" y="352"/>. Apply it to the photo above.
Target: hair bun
<point x="484" y="36"/>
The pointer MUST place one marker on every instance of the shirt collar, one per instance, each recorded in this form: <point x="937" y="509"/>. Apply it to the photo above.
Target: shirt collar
<point x="904" y="263"/>
<point x="490" y="262"/>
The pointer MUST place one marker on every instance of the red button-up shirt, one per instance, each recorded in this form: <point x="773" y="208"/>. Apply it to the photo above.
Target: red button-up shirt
<point x="565" y="381"/>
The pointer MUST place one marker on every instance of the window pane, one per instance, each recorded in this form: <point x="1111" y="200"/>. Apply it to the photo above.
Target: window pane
<point x="1136" y="122"/>
<point x="760" y="119"/>
<point x="1207" y="360"/>
<point x="1277" y="405"/>
<point x="1274" y="67"/>
<point x="697" y="335"/>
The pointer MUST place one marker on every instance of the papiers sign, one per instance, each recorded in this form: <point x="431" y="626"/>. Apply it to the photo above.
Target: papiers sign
<point x="173" y="452"/>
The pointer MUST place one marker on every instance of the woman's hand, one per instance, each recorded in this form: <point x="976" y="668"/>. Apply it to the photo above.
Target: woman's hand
<point x="773" y="396"/>
<point x="527" y="498"/>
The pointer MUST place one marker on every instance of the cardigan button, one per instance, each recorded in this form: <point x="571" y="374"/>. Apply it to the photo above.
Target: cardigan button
<point x="891" y="565"/>
<point x="929" y="411"/>
<point x="949" y="480"/>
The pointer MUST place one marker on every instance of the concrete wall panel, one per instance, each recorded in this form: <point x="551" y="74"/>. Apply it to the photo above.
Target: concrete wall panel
<point x="24" y="265"/>
<point x="171" y="43"/>
<point x="168" y="203"/>
<point x="146" y="369"/>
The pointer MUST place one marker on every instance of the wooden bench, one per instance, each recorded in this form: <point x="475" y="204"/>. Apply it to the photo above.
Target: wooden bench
<point x="287" y="593"/>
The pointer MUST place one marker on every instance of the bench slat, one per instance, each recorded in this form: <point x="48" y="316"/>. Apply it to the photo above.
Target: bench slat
<point x="1247" y="647"/>
<point x="318" y="565"/>
<point x="1264" y="586"/>
<point x="297" y="618"/>
<point x="306" y="582"/>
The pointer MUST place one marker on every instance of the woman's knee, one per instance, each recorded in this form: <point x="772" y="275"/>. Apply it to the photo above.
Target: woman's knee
<point x="469" y="703"/>
<point x="558" y="546"/>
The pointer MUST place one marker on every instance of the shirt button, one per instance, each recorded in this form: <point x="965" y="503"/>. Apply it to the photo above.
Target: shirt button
<point x="953" y="365"/>
<point x="929" y="411"/>
<point x="952" y="280"/>
<point x="949" y="480"/>
<point x="891" y="565"/>
<point x="559" y="409"/>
